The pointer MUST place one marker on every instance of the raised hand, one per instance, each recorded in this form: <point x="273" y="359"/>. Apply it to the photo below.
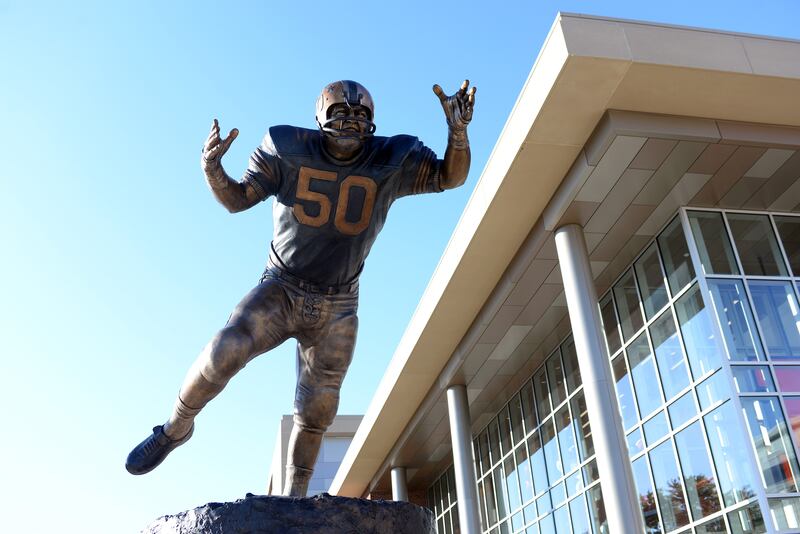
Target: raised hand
<point x="215" y="147"/>
<point x="458" y="107"/>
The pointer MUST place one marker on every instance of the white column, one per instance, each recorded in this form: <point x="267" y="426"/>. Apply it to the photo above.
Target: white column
<point x="616" y="477"/>
<point x="399" y="487"/>
<point x="461" y="437"/>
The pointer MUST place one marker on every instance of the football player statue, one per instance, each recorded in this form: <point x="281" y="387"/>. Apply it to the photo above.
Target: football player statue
<point x="333" y="188"/>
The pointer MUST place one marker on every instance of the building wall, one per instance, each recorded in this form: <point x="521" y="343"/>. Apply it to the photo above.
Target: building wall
<point x="703" y="332"/>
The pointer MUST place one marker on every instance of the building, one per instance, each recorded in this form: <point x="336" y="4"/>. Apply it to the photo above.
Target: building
<point x="334" y="445"/>
<point x="611" y="341"/>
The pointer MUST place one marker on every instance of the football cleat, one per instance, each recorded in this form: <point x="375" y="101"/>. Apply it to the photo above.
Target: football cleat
<point x="147" y="455"/>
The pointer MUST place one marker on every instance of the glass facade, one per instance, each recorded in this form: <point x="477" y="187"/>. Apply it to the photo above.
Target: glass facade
<point x="703" y="335"/>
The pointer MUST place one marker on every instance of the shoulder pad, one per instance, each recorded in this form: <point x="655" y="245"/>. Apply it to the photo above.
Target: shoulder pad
<point x="292" y="140"/>
<point x="392" y="151"/>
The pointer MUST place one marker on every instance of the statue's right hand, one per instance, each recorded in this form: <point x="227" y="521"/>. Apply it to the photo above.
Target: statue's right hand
<point x="216" y="147"/>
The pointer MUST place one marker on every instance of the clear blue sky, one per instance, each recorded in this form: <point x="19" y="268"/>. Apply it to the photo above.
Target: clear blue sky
<point x="117" y="263"/>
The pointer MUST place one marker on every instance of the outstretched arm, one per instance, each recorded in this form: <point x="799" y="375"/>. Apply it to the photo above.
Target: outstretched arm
<point x="458" y="112"/>
<point x="235" y="196"/>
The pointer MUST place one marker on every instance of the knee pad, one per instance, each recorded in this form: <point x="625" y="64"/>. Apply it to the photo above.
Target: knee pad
<point x="315" y="408"/>
<point x="227" y="353"/>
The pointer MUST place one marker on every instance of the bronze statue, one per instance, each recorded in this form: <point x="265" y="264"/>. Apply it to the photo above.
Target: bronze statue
<point x="333" y="189"/>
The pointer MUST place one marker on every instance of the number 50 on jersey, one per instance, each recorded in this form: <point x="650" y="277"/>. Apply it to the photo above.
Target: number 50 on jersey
<point x="305" y="177"/>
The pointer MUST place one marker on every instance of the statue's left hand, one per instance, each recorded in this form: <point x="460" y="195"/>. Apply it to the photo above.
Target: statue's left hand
<point x="457" y="108"/>
<point x="215" y="147"/>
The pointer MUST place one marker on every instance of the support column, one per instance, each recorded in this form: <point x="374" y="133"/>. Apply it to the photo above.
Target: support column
<point x="399" y="486"/>
<point x="616" y="477"/>
<point x="463" y="465"/>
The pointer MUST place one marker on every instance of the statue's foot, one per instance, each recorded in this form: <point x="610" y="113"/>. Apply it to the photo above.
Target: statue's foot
<point x="147" y="455"/>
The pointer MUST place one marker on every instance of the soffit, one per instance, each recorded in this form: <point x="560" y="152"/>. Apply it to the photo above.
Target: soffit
<point x="539" y="162"/>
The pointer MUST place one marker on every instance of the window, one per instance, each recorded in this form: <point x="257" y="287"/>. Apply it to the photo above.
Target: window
<point x="713" y="246"/>
<point x="756" y="244"/>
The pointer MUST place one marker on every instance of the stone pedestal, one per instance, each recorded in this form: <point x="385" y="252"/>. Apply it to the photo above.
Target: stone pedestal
<point x="323" y="514"/>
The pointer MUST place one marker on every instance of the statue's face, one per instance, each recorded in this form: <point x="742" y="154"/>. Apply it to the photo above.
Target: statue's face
<point x="353" y="119"/>
<point x="351" y="124"/>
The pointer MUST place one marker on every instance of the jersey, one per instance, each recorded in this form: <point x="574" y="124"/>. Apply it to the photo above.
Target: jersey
<point x="327" y="213"/>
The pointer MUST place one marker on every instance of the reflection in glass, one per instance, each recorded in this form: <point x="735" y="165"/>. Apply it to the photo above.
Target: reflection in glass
<point x="682" y="410"/>
<point x="538" y="468"/>
<point x="555" y="375"/>
<point x="643" y="371"/>
<point x="597" y="510"/>
<point x="768" y="434"/>
<point x="524" y="472"/>
<point x="669" y="491"/>
<point x="544" y="504"/>
<point x="590" y="473"/>
<point x="528" y="411"/>
<point x="779" y="318"/>
<point x="789" y="232"/>
<point x="558" y="494"/>
<point x="713" y="246"/>
<point x="635" y="442"/>
<point x="788" y="377"/>
<point x="566" y="439"/>
<point x="512" y="484"/>
<point x="752" y="379"/>
<point x="747" y="520"/>
<point x="651" y="281"/>
<point x="675" y="253"/>
<point x="540" y="394"/>
<point x="571" y="370"/>
<point x="494" y="441"/>
<point x="630" y="315"/>
<point x="713" y="390"/>
<point x="627" y="405"/>
<point x="669" y="355"/>
<point x="515" y="412"/>
<point x="482" y="505"/>
<point x="517" y="522"/>
<point x="793" y="413"/>
<point x="552" y="460"/>
<point x="735" y="320"/>
<point x="561" y="518"/>
<point x="577" y="512"/>
<point x="530" y="512"/>
<point x="500" y="492"/>
<point x="786" y="513"/>
<point x="483" y="441"/>
<point x="647" y="498"/>
<point x="504" y="423"/>
<point x="491" y="508"/>
<point x="698" y="333"/>
<point x="610" y="325"/>
<point x="698" y="476"/>
<point x="756" y="244"/>
<point x="580" y="416"/>
<point x="656" y="428"/>
<point x="574" y="483"/>
<point x="712" y="527"/>
<point x="546" y="525"/>
<point x="725" y="440"/>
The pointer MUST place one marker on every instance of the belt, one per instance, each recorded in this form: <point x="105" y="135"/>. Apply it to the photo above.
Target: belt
<point x="308" y="286"/>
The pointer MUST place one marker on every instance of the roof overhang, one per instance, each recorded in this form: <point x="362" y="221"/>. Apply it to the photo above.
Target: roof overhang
<point x="587" y="66"/>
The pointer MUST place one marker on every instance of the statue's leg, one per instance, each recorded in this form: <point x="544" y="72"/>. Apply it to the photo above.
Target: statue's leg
<point x="258" y="324"/>
<point x="323" y="360"/>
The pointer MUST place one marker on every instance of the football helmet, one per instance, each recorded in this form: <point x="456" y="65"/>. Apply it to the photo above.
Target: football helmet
<point x="351" y="94"/>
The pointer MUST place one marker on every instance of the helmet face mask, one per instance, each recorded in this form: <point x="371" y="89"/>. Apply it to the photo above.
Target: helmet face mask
<point x="342" y="103"/>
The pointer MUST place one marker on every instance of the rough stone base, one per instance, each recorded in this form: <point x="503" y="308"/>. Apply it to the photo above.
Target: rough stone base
<point x="323" y="514"/>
